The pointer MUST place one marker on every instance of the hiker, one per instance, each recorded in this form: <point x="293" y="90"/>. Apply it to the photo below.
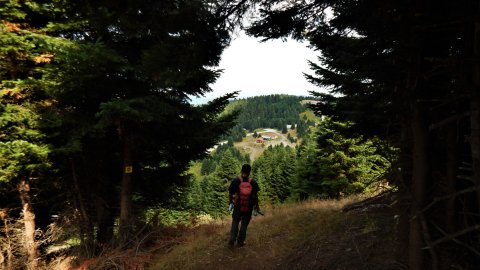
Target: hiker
<point x="243" y="193"/>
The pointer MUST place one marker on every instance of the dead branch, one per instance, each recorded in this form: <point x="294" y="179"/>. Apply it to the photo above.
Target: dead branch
<point x="366" y="202"/>
<point x="427" y="238"/>
<point x="454" y="235"/>
<point x="448" y="120"/>
<point x="442" y="198"/>
<point x="457" y="241"/>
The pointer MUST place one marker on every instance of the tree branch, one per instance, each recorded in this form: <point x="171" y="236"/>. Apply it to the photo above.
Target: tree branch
<point x="456" y="240"/>
<point x="454" y="235"/>
<point x="448" y="120"/>
<point x="437" y="199"/>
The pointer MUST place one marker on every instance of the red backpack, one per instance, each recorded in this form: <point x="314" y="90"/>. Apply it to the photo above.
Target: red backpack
<point x="245" y="193"/>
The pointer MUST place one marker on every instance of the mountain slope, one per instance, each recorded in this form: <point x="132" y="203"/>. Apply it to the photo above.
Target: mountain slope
<point x="314" y="235"/>
<point x="272" y="111"/>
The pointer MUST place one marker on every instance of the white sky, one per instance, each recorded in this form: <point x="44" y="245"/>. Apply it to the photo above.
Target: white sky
<point x="255" y="68"/>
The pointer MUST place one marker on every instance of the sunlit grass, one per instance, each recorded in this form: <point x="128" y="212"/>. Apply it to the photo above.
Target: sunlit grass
<point x="310" y="115"/>
<point x="269" y="238"/>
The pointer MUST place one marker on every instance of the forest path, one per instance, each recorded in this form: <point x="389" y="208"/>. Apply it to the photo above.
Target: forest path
<point x="313" y="235"/>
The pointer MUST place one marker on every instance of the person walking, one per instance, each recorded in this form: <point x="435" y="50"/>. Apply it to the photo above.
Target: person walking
<point x="243" y="194"/>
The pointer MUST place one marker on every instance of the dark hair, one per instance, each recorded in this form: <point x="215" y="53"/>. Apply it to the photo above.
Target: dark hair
<point x="246" y="169"/>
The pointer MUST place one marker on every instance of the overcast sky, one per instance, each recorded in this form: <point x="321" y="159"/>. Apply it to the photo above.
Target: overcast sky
<point x="255" y="68"/>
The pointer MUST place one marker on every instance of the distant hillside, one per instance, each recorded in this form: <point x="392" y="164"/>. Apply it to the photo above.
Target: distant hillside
<point x="272" y="111"/>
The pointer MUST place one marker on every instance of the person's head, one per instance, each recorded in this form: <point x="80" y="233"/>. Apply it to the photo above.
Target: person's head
<point x="246" y="170"/>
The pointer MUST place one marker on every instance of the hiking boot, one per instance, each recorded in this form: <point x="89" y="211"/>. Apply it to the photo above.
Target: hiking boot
<point x="240" y="244"/>
<point x="231" y="243"/>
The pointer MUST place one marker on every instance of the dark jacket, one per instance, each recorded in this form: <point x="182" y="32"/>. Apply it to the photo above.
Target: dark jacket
<point x="235" y="189"/>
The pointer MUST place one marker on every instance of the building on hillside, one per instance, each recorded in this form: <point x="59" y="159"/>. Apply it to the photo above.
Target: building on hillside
<point x="267" y="138"/>
<point x="259" y="140"/>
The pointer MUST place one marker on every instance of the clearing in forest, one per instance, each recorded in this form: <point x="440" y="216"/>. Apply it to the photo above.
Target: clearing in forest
<point x="249" y="144"/>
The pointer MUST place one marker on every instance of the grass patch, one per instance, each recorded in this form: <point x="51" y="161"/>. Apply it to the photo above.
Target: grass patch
<point x="280" y="238"/>
<point x="310" y="115"/>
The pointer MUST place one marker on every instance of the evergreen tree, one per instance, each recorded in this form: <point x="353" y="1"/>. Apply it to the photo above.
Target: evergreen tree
<point x="135" y="103"/>
<point x="102" y="92"/>
<point x="227" y="169"/>
<point x="25" y="51"/>
<point x="275" y="172"/>
<point x="333" y="164"/>
<point x="208" y="166"/>
<point x="196" y="197"/>
<point x="399" y="70"/>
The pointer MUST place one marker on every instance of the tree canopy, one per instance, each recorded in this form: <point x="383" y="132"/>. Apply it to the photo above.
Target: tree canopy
<point x="100" y="92"/>
<point x="404" y="71"/>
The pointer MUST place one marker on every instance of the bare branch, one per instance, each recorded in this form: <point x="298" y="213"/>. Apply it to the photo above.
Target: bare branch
<point x="427" y="238"/>
<point x="449" y="196"/>
<point x="448" y="120"/>
<point x="454" y="235"/>
<point x="457" y="241"/>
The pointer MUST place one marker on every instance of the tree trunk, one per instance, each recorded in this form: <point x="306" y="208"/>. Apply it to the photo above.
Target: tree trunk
<point x="419" y="180"/>
<point x="86" y="233"/>
<point x="475" y="105"/>
<point x="2" y="258"/>
<point x="105" y="218"/>
<point x="29" y="223"/>
<point x="126" y="186"/>
<point x="451" y="177"/>
<point x="6" y="263"/>
<point x="402" y="204"/>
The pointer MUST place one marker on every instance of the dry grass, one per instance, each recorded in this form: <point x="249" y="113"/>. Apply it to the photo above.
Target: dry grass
<point x="310" y="235"/>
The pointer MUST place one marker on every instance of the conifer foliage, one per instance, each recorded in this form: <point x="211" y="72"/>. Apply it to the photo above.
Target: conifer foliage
<point x="405" y="71"/>
<point x="24" y="152"/>
<point x="99" y="94"/>
<point x="332" y="162"/>
<point x="275" y="172"/>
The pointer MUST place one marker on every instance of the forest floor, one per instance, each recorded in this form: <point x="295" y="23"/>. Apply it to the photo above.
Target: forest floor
<point x="310" y="235"/>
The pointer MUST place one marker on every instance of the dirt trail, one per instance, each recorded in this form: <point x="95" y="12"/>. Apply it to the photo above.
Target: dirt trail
<point x="315" y="235"/>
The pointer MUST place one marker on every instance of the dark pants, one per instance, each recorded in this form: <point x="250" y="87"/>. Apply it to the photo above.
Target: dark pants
<point x="244" y="219"/>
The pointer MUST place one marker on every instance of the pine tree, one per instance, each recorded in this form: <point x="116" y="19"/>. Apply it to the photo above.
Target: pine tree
<point x="275" y="171"/>
<point x="25" y="51"/>
<point x="228" y="168"/>
<point x="332" y="164"/>
<point x="113" y="88"/>
<point x="398" y="70"/>
<point x="208" y="166"/>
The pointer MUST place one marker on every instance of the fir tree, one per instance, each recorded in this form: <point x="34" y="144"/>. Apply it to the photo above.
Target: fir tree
<point x="25" y="51"/>
<point x="333" y="164"/>
<point x="113" y="89"/>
